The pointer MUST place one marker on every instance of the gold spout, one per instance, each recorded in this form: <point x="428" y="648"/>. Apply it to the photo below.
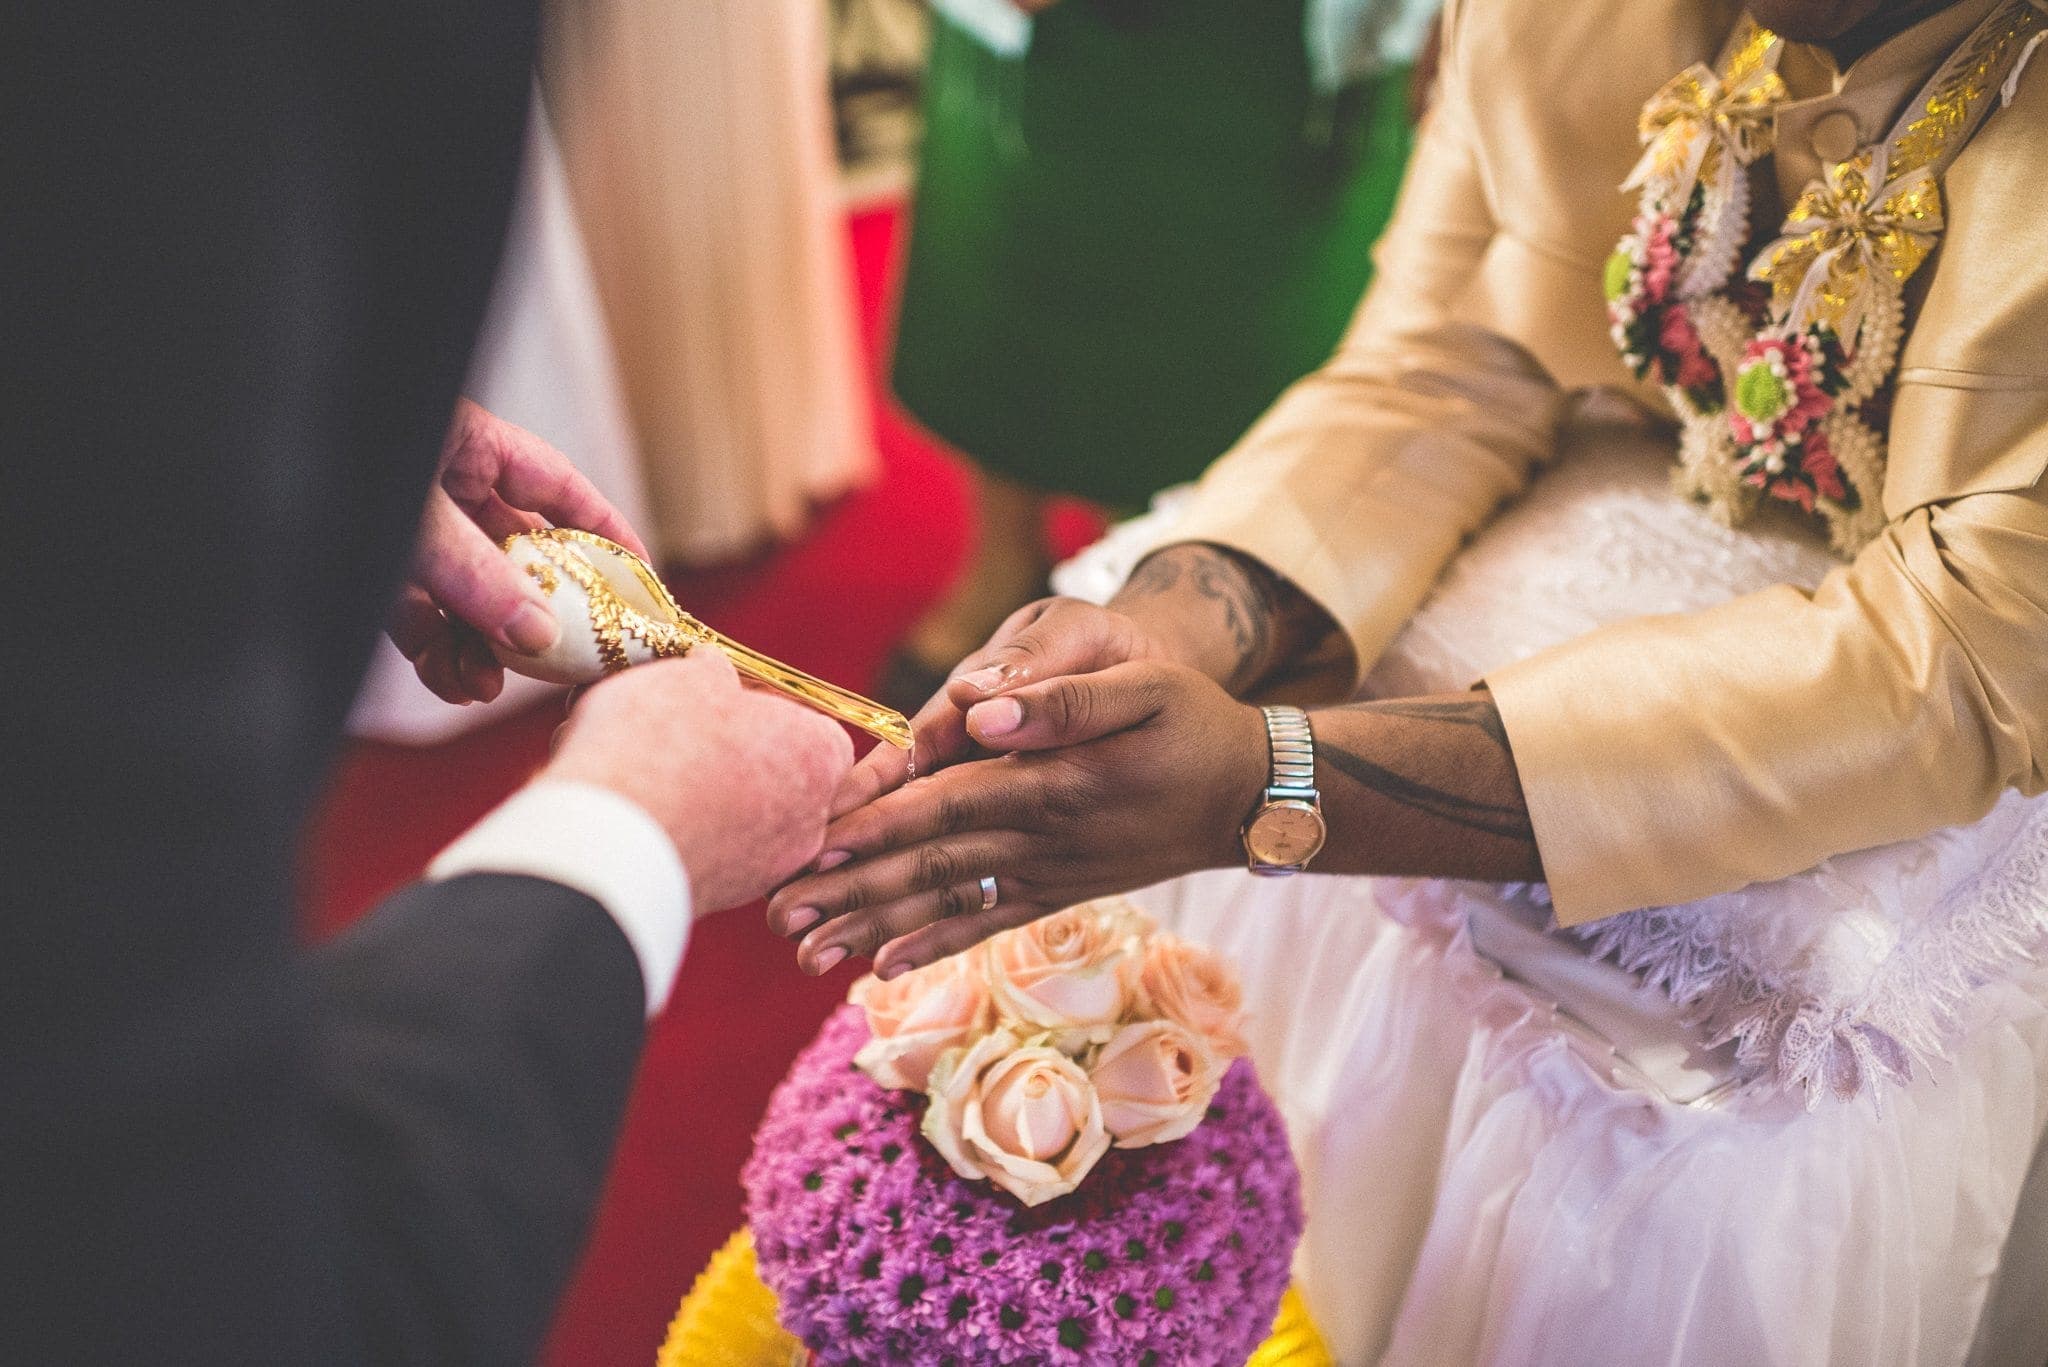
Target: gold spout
<point x="883" y="723"/>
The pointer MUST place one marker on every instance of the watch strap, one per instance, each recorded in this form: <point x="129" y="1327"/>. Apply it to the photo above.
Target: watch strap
<point x="1291" y="743"/>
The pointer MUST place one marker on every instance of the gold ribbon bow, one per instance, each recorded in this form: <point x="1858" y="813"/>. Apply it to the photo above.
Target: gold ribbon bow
<point x="1850" y="236"/>
<point x="1698" y="112"/>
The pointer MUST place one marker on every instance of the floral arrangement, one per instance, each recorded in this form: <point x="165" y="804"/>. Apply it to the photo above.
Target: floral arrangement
<point x="1782" y="375"/>
<point x="1049" y="1150"/>
<point x="1041" y="1049"/>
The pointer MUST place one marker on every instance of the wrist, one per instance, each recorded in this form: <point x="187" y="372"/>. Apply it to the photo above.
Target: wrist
<point x="1221" y="612"/>
<point x="1169" y="633"/>
<point x="1286" y="829"/>
<point x="1242" y="786"/>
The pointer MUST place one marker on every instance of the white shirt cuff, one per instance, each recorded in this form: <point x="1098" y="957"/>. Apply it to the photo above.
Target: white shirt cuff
<point x="602" y="845"/>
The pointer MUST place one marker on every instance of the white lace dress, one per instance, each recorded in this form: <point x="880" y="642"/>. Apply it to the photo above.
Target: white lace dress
<point x="1807" y="1128"/>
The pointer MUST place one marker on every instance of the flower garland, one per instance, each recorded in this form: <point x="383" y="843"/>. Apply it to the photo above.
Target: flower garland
<point x="1782" y="376"/>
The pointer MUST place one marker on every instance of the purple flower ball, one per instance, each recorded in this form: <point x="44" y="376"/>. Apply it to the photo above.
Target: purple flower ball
<point x="878" y="1253"/>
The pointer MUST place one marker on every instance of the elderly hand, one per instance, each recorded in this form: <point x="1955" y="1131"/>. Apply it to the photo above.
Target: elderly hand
<point x="495" y="479"/>
<point x="740" y="778"/>
<point x="1102" y="782"/>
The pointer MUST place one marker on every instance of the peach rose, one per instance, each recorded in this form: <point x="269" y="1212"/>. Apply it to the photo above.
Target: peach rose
<point x="1063" y="973"/>
<point x="1017" y="1112"/>
<point x="919" y="1016"/>
<point x="1125" y="914"/>
<point x="1155" y="1080"/>
<point x="1193" y="986"/>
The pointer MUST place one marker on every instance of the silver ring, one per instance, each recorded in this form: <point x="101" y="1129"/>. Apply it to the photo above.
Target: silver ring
<point x="989" y="894"/>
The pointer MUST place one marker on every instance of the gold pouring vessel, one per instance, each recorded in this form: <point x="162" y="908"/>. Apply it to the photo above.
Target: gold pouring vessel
<point x="628" y="616"/>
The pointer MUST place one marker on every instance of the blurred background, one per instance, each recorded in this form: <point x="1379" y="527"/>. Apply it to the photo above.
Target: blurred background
<point x="866" y="312"/>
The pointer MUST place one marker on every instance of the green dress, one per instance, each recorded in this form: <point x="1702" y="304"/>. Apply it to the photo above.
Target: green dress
<point x="1128" y="242"/>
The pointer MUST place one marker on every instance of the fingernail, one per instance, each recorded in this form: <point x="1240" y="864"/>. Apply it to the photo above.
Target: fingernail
<point x="895" y="970"/>
<point x="828" y="960"/>
<point x="801" y="920"/>
<point x="532" y="629"/>
<point x="832" y="859"/>
<point x="985" y="680"/>
<point x="998" y="717"/>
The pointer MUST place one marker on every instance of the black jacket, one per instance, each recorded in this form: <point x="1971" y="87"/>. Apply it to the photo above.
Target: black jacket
<point x="244" y="249"/>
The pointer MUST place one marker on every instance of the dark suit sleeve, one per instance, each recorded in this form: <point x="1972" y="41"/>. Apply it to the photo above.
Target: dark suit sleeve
<point x="242" y="274"/>
<point x="474" y="1046"/>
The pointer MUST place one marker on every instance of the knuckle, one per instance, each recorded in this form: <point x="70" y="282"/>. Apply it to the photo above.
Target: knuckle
<point x="1065" y="801"/>
<point x="934" y="866"/>
<point x="852" y="895"/>
<point x="1074" y="706"/>
<point x="952" y="812"/>
<point x="835" y="753"/>
<point x="1024" y="617"/>
<point x="955" y="901"/>
<point x="1155" y="690"/>
<point x="838" y="745"/>
<point x="710" y="665"/>
<point x="812" y="740"/>
<point x="1060" y="608"/>
<point x="1013" y="658"/>
<point x="1059" y="623"/>
<point x="478" y="570"/>
<point x="862" y="937"/>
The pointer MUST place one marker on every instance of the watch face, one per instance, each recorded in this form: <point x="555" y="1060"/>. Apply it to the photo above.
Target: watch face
<point x="1285" y="833"/>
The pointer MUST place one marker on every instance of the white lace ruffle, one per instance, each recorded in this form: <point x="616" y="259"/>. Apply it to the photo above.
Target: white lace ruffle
<point x="1830" y="982"/>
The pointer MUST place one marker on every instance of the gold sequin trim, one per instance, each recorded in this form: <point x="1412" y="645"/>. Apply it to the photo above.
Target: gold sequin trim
<point x="1974" y="76"/>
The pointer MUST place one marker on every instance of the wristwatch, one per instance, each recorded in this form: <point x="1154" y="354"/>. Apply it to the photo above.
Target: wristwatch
<point x="1286" y="829"/>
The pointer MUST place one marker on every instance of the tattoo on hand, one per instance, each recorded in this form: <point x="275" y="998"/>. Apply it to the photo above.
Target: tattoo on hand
<point x="1507" y="819"/>
<point x="1156" y="574"/>
<point x="1262" y="613"/>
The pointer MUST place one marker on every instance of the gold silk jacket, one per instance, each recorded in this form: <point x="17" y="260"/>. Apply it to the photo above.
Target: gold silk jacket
<point x="1673" y="758"/>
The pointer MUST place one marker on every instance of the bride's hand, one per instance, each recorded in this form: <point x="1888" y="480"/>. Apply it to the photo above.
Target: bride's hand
<point x="495" y="479"/>
<point x="1040" y="641"/>
<point x="1112" y="780"/>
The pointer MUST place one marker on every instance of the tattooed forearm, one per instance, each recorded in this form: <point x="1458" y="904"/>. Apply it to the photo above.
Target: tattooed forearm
<point x="1433" y="785"/>
<point x="1249" y="598"/>
<point x="1253" y="619"/>
<point x="1477" y="712"/>
<point x="1494" y="818"/>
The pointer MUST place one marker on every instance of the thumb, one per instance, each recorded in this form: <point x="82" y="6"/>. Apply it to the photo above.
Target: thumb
<point x="471" y="579"/>
<point x="1041" y="641"/>
<point x="1071" y="710"/>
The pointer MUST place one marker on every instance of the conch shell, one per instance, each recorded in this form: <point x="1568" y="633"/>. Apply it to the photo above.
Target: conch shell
<point x="615" y="612"/>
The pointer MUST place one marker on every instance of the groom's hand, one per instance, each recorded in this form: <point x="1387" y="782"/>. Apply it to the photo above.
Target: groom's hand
<point x="1044" y="640"/>
<point x="494" y="480"/>
<point x="1102" y="782"/>
<point x="740" y="778"/>
<point x="1203" y="606"/>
